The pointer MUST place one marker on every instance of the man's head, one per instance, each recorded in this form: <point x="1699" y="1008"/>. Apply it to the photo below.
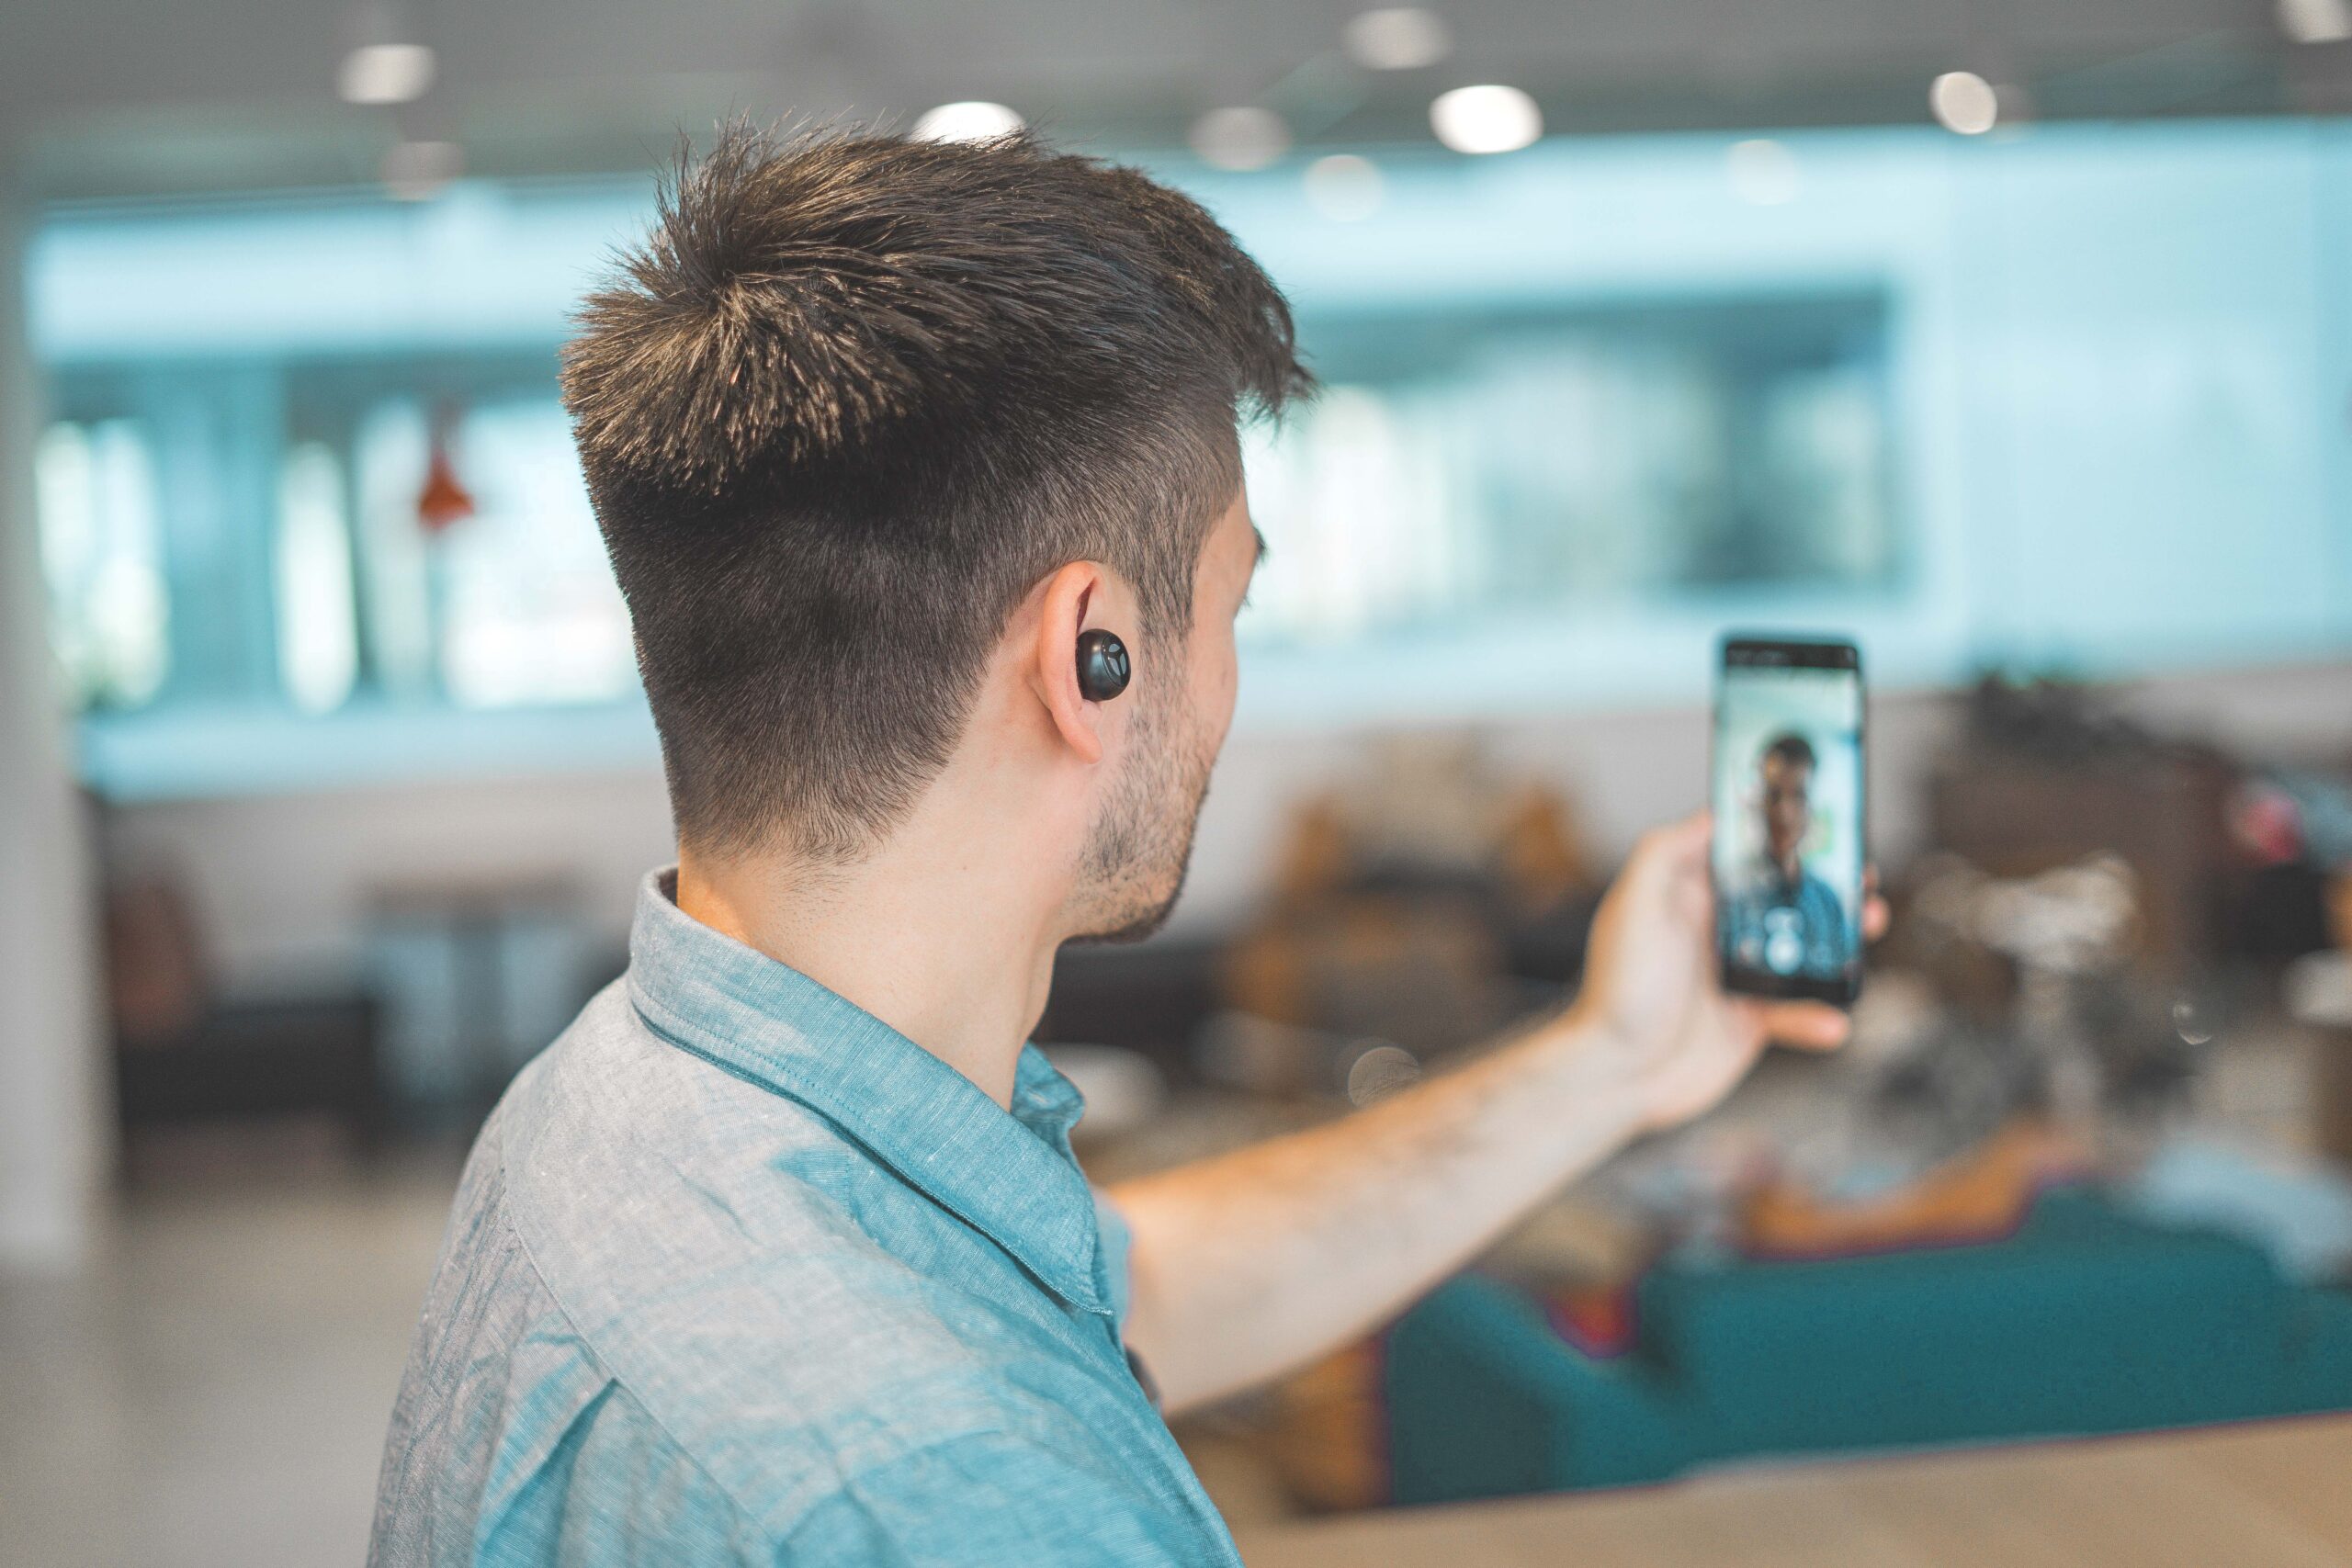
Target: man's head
<point x="856" y="402"/>
<point x="1786" y="770"/>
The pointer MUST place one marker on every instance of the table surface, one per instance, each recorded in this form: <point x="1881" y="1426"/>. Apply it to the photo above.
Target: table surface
<point x="2272" y="1493"/>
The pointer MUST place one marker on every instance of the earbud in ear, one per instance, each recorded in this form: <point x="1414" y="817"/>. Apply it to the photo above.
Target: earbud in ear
<point x="1102" y="668"/>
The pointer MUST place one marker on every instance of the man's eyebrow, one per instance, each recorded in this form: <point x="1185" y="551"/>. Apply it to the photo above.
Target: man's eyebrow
<point x="1259" y="535"/>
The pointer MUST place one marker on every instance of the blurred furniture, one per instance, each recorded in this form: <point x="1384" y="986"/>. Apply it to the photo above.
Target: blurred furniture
<point x="2332" y="1088"/>
<point x="1977" y="1197"/>
<point x="2017" y="816"/>
<point x="1123" y="1090"/>
<point x="184" y="1053"/>
<point x="2039" y="1008"/>
<point x="1151" y="997"/>
<point x="1425" y="903"/>
<point x="478" y="973"/>
<point x="2084" y="1321"/>
<point x="2319" y="995"/>
<point x="1421" y="965"/>
<point x="1424" y="906"/>
<point x="256" y="1059"/>
<point x="2269" y="1495"/>
<point x="2051" y="773"/>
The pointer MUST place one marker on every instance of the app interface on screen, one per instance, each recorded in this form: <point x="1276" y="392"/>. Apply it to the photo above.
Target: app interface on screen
<point x="1788" y="799"/>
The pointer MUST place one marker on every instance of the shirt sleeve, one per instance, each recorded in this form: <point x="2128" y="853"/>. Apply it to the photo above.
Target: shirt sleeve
<point x="1833" y="933"/>
<point x="985" y="1500"/>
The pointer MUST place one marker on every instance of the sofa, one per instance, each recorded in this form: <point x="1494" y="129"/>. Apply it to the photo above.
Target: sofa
<point x="2083" y="1320"/>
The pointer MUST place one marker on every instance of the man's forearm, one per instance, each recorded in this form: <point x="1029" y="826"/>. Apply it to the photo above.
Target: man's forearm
<point x="1252" y="1263"/>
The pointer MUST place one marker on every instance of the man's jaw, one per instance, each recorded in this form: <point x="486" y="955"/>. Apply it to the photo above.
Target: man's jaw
<point x="1152" y="917"/>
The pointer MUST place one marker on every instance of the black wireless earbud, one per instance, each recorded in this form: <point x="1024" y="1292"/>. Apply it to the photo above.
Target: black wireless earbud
<point x="1103" y="668"/>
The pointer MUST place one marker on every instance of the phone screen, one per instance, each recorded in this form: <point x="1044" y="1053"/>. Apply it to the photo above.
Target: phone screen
<point x="1787" y="786"/>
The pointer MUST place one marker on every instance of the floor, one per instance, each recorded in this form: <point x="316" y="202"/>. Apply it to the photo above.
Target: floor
<point x="215" y="1390"/>
<point x="2253" y="1494"/>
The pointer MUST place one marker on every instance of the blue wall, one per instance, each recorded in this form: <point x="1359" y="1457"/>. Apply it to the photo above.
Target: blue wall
<point x="2123" y="384"/>
<point x="2121" y="374"/>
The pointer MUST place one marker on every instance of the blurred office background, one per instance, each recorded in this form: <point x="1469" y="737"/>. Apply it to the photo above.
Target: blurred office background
<point x="2013" y="339"/>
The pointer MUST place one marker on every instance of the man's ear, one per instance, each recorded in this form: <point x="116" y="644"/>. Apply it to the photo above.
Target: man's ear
<point x="1078" y="596"/>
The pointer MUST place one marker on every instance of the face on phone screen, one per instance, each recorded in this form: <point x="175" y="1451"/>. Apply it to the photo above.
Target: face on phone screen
<point x="1787" y="802"/>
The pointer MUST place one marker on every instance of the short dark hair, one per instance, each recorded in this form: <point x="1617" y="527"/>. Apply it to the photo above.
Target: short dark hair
<point x="851" y="399"/>
<point x="1789" y="748"/>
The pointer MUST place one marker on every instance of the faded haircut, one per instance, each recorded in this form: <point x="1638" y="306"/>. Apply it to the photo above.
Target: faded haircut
<point x="849" y="400"/>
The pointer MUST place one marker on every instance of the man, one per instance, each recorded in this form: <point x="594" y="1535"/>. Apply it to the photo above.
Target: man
<point x="779" y="1254"/>
<point x="1782" y="918"/>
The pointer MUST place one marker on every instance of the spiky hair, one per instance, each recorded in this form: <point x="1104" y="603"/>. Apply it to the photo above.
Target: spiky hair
<point x="851" y="398"/>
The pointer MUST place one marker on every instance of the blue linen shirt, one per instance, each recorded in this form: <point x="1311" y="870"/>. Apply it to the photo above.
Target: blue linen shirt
<point x="737" y="1273"/>
<point x="1788" y="927"/>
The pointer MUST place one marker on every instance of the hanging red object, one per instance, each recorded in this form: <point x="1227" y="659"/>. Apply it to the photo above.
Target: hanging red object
<point x="444" y="500"/>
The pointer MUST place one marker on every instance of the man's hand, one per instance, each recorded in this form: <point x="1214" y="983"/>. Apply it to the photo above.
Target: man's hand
<point x="1651" y="998"/>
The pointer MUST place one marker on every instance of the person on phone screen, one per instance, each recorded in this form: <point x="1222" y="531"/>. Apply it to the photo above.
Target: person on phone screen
<point x="1781" y="917"/>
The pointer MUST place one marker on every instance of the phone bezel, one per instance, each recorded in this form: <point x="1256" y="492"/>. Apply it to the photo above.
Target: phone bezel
<point x="1755" y="651"/>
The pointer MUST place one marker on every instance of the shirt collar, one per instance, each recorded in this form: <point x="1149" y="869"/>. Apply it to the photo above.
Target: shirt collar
<point x="1010" y="1176"/>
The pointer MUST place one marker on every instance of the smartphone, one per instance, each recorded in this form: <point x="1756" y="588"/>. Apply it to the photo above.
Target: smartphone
<point x="1790" y="817"/>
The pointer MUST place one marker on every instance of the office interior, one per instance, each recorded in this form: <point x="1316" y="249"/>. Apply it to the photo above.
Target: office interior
<point x="2013" y="342"/>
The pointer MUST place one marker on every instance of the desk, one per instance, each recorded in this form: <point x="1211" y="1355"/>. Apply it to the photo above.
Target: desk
<point x="2268" y="1494"/>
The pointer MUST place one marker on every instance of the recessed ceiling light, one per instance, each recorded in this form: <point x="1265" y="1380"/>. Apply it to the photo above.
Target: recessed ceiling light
<point x="1964" y="102"/>
<point x="1489" y="119"/>
<point x="970" y="120"/>
<point x="1396" y="37"/>
<point x="1241" y="138"/>
<point x="386" y="73"/>
<point x="2315" y="22"/>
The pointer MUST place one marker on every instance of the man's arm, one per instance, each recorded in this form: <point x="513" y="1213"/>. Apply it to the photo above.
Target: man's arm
<point x="1249" y="1264"/>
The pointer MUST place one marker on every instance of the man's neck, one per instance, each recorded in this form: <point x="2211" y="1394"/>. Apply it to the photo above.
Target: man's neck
<point x="936" y="935"/>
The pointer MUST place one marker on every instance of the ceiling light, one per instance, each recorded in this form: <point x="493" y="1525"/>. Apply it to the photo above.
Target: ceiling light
<point x="1397" y="37"/>
<point x="1241" y="138"/>
<point x="1486" y="119"/>
<point x="972" y="120"/>
<point x="1345" y="187"/>
<point x="2315" y="22"/>
<point x="386" y="73"/>
<point x="413" y="170"/>
<point x="1964" y="102"/>
<point x="1763" y="173"/>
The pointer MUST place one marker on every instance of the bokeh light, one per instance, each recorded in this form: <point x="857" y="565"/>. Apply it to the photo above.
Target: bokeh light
<point x="2315" y="22"/>
<point x="1397" y="37"/>
<point x="1240" y="138"/>
<point x="386" y="73"/>
<point x="1964" y="102"/>
<point x="1490" y="118"/>
<point x="971" y="119"/>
